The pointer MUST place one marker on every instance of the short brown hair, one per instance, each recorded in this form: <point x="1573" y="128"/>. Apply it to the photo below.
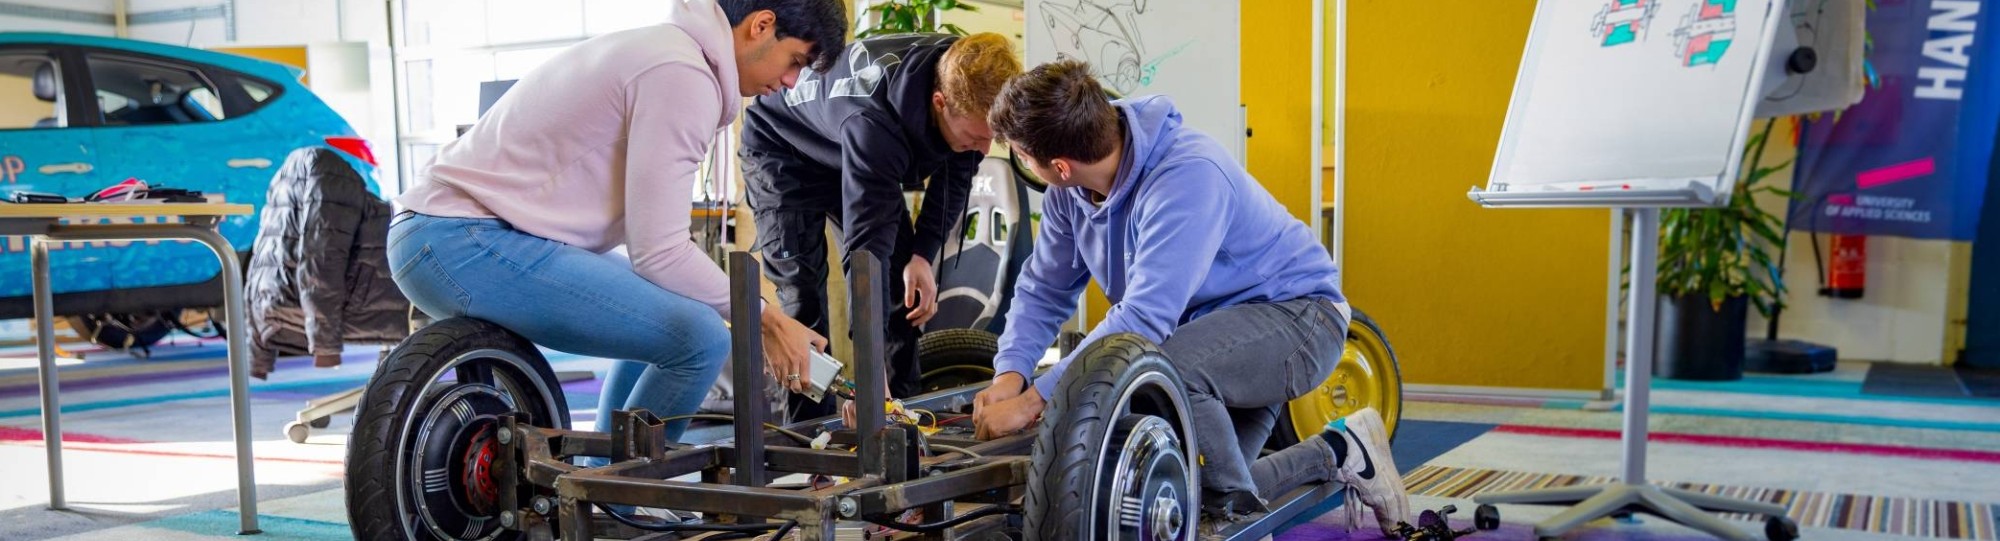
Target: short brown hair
<point x="1057" y="110"/>
<point x="972" y="71"/>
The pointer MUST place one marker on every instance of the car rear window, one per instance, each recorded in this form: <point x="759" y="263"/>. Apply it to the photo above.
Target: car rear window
<point x="258" y="92"/>
<point x="134" y="92"/>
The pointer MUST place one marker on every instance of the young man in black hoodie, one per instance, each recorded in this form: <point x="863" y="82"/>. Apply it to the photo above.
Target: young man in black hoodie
<point x="843" y="144"/>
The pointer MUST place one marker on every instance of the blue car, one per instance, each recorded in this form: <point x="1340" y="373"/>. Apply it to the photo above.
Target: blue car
<point x="82" y="113"/>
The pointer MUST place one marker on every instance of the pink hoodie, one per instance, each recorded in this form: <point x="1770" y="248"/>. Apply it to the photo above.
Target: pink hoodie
<point x="599" y="147"/>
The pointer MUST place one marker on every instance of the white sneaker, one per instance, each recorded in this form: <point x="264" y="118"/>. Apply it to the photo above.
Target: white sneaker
<point x="1369" y="469"/>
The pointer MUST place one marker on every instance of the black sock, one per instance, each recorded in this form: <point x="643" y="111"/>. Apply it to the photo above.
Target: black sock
<point x="1338" y="443"/>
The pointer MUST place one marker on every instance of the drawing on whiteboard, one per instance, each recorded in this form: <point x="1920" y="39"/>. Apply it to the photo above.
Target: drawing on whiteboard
<point x="1153" y="67"/>
<point x="1104" y="33"/>
<point x="1706" y="32"/>
<point x="1624" y="21"/>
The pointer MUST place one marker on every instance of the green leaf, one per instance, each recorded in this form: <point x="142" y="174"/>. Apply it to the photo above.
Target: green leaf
<point x="1770" y="282"/>
<point x="1764" y="231"/>
<point x="1760" y="173"/>
<point x="1776" y="224"/>
<point x="1720" y="253"/>
<point x="953" y="29"/>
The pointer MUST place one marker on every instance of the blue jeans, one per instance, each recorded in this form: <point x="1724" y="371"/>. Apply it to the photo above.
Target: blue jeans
<point x="568" y="299"/>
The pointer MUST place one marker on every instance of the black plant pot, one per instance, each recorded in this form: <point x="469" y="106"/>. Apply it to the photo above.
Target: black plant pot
<point x="1697" y="342"/>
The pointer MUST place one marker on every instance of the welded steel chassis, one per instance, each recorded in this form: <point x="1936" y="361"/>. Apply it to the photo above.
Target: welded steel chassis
<point x="889" y="470"/>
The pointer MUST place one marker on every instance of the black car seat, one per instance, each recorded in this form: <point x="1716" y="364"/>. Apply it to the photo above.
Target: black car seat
<point x="976" y="279"/>
<point x="976" y="275"/>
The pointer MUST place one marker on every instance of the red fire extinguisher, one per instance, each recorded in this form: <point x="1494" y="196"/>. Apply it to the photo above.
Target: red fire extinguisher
<point x="1849" y="271"/>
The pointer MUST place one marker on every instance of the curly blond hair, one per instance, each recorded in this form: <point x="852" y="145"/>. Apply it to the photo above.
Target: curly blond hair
<point x="973" y="70"/>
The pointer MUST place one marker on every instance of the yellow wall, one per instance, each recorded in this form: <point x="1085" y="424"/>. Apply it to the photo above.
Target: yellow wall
<point x="290" y="56"/>
<point x="18" y="106"/>
<point x="1277" y="95"/>
<point x="1469" y="296"/>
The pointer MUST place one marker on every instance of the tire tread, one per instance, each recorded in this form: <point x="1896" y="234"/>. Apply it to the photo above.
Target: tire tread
<point x="1063" y="464"/>
<point x="372" y="447"/>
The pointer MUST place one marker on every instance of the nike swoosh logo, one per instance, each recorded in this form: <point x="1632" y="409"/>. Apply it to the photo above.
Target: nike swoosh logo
<point x="1367" y="464"/>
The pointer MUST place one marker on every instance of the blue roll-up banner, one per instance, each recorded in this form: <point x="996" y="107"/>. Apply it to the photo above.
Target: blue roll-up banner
<point x="1913" y="158"/>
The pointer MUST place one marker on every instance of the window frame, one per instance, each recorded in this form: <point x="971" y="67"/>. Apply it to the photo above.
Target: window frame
<point x="236" y="103"/>
<point x="236" y="100"/>
<point x="72" y="106"/>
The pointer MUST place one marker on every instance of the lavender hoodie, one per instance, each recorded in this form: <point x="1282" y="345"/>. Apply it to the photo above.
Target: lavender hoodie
<point x="599" y="146"/>
<point x="1186" y="231"/>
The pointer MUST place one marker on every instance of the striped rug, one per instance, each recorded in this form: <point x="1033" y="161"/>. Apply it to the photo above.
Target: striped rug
<point x="1915" y="517"/>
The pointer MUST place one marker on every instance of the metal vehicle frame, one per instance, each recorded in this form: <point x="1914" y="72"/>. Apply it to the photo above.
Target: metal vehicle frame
<point x="890" y="471"/>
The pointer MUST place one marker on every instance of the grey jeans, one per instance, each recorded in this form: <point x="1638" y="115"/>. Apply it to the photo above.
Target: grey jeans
<point x="1241" y="364"/>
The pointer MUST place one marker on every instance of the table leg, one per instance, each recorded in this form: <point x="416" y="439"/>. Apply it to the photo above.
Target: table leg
<point x="239" y="373"/>
<point x="45" y="347"/>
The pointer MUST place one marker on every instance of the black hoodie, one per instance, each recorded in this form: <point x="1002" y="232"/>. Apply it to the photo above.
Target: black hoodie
<point x="863" y="131"/>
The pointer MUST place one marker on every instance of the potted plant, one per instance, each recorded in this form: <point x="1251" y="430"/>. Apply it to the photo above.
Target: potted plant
<point x="902" y="16"/>
<point x="1716" y="263"/>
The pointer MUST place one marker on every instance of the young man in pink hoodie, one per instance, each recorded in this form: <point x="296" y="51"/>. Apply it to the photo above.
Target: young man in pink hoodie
<point x="598" y="148"/>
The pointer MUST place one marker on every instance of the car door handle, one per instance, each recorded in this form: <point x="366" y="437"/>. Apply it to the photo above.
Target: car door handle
<point x="72" y="167"/>
<point x="240" y="163"/>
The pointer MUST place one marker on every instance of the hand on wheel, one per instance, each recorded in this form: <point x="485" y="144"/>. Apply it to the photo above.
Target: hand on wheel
<point x="787" y="349"/>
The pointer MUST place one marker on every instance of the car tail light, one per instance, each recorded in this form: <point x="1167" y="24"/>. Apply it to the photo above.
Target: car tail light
<point x="354" y="146"/>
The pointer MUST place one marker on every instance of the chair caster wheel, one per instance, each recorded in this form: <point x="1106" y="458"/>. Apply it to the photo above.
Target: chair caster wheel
<point x="297" y="432"/>
<point x="1780" y="529"/>
<point x="322" y="422"/>
<point x="1486" y="517"/>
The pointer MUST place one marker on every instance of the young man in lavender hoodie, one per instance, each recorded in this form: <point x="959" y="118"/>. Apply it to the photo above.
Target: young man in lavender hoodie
<point x="1196" y="257"/>
<point x="596" y="148"/>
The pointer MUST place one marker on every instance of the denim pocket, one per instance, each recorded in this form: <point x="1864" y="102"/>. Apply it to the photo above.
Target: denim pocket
<point x="523" y="251"/>
<point x="402" y="269"/>
<point x="401" y="231"/>
<point x="427" y="284"/>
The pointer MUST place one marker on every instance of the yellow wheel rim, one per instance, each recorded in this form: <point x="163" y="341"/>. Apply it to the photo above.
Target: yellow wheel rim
<point x="1367" y="376"/>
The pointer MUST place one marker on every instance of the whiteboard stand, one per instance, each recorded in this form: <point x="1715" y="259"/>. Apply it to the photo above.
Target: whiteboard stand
<point x="1632" y="491"/>
<point x="1642" y="114"/>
